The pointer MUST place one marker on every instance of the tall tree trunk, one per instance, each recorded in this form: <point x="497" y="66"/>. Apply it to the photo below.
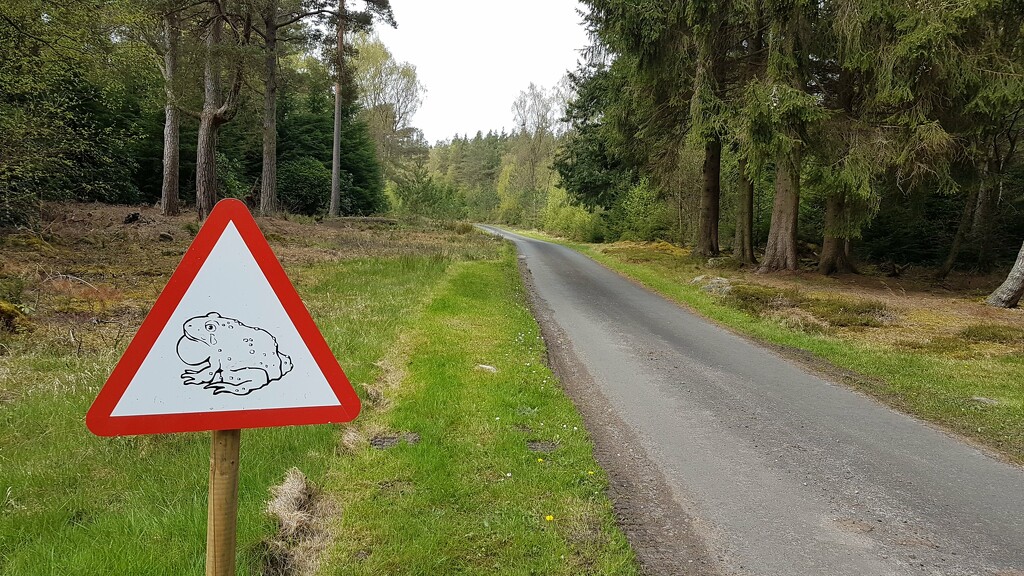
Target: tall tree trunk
<point x="679" y="214"/>
<point x="206" y="165"/>
<point x="1010" y="293"/>
<point x="268" y="179"/>
<point x="336" y="153"/>
<point x="780" y="252"/>
<point x="835" y="258"/>
<point x="981" y="228"/>
<point x="743" y="244"/>
<point x="961" y="233"/>
<point x="707" y="229"/>
<point x="172" y="119"/>
<point x="206" y="147"/>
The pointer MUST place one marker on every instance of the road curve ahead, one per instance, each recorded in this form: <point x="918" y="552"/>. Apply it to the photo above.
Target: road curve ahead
<point x="781" y="472"/>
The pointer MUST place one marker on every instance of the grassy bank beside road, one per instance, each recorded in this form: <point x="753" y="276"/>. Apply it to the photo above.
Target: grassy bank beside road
<point x="942" y="356"/>
<point x="479" y="464"/>
<point x="426" y="299"/>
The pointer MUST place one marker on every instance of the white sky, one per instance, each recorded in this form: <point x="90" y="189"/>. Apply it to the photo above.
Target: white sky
<point x="475" y="56"/>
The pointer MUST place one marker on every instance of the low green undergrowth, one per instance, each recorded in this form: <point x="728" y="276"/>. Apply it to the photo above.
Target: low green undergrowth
<point x="992" y="333"/>
<point x="766" y="301"/>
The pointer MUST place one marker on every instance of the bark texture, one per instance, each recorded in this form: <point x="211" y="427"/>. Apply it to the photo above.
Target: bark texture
<point x="215" y="113"/>
<point x="780" y="252"/>
<point x="985" y="207"/>
<point x="206" y="165"/>
<point x="710" y="200"/>
<point x="1009" y="294"/>
<point x="743" y="243"/>
<point x="268" y="177"/>
<point x="169" y="204"/>
<point x="835" y="256"/>
<point x="335" y="207"/>
<point x="206" y="146"/>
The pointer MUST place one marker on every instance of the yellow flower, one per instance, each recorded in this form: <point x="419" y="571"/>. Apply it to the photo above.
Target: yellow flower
<point x="540" y="459"/>
<point x="549" y="517"/>
<point x="590" y="472"/>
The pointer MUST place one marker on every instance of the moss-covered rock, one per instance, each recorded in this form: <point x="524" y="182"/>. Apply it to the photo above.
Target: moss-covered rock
<point x="11" y="318"/>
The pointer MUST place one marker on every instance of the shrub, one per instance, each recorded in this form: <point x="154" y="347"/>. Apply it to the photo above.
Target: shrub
<point x="420" y="194"/>
<point x="640" y="215"/>
<point x="231" y="177"/>
<point x="11" y="289"/>
<point x="838" y="312"/>
<point x="571" y="221"/>
<point x="304" y="186"/>
<point x="759" y="300"/>
<point x="997" y="333"/>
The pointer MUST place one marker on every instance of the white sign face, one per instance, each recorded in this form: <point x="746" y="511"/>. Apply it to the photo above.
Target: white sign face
<point x="228" y="346"/>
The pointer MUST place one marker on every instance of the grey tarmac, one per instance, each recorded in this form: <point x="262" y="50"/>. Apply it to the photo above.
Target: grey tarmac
<point x="726" y="458"/>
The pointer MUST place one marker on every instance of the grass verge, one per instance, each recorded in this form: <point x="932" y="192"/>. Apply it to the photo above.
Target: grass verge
<point x="77" y="504"/>
<point x="969" y="380"/>
<point x="446" y="481"/>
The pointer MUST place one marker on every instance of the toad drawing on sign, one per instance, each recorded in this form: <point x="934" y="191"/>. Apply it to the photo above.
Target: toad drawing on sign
<point x="228" y="356"/>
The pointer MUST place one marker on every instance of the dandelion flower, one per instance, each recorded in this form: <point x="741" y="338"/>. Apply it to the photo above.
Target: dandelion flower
<point x="549" y="517"/>
<point x="540" y="459"/>
<point x="590" y="472"/>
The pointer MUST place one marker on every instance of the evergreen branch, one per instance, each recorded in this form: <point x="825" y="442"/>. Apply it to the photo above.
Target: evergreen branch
<point x="295" y="18"/>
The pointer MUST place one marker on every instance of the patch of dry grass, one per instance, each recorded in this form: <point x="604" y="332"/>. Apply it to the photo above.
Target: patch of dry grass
<point x="303" y="532"/>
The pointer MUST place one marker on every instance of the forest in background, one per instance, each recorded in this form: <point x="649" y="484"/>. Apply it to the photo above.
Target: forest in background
<point x="789" y="134"/>
<point x="168" y="101"/>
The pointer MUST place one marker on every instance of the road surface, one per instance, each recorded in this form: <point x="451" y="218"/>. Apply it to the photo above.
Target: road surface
<point x="746" y="463"/>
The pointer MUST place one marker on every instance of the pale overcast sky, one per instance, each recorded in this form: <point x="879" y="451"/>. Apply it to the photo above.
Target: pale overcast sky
<point x="475" y="56"/>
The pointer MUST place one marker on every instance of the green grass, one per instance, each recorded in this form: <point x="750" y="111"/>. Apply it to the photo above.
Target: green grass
<point x="470" y="497"/>
<point x="77" y="504"/>
<point x="72" y="503"/>
<point x="937" y="382"/>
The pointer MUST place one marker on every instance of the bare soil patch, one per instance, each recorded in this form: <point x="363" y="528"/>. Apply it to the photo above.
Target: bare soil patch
<point x="542" y="446"/>
<point x="385" y="441"/>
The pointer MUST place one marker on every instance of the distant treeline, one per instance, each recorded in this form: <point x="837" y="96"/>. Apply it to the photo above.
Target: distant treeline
<point x="788" y="133"/>
<point x="795" y="132"/>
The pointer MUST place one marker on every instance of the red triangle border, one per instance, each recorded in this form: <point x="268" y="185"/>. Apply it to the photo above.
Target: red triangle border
<point x="100" y="420"/>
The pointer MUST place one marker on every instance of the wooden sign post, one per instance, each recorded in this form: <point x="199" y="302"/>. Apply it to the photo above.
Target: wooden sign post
<point x="222" y="508"/>
<point x="227" y="345"/>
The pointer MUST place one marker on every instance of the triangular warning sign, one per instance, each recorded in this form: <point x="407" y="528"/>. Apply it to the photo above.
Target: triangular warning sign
<point x="228" y="344"/>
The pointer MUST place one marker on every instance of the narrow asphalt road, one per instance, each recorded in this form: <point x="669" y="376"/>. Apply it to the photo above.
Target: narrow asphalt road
<point x="775" y="470"/>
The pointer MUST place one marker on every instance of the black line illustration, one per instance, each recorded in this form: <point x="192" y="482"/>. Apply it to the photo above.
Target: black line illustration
<point x="230" y="357"/>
